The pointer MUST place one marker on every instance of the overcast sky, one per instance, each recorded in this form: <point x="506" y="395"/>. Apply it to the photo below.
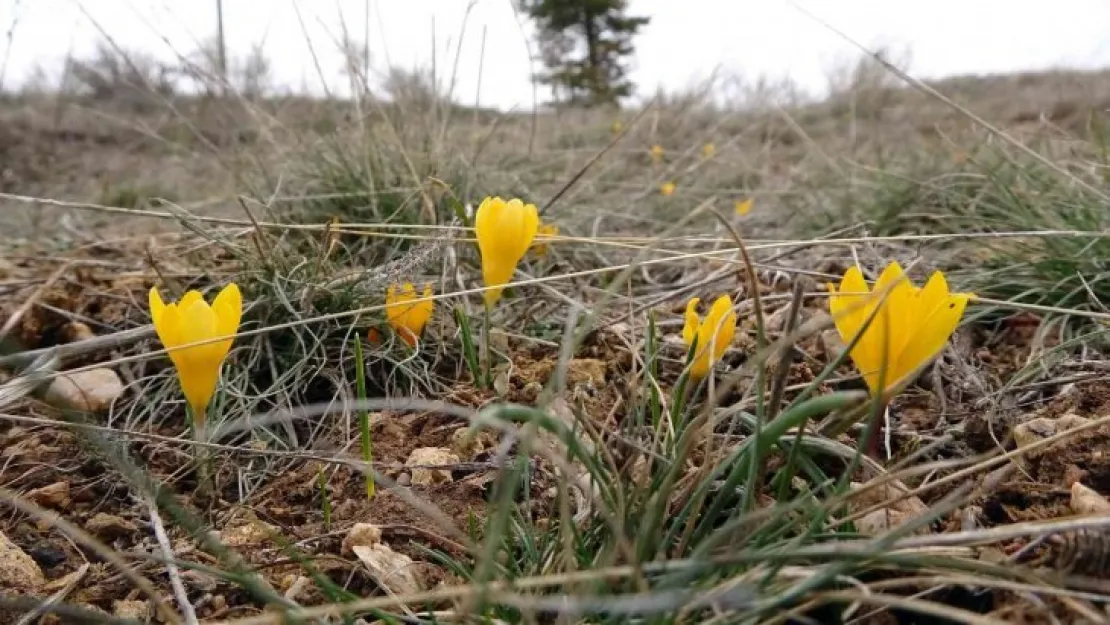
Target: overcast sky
<point x="685" y="41"/>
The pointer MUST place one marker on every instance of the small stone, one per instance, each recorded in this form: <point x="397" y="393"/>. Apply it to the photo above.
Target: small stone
<point x="641" y="471"/>
<point x="893" y="514"/>
<point x="361" y="534"/>
<point x="54" y="496"/>
<point x="501" y="383"/>
<point x="251" y="533"/>
<point x="588" y="371"/>
<point x="499" y="341"/>
<point x="200" y="581"/>
<point x="76" y="331"/>
<point x="218" y="602"/>
<point x="18" y="571"/>
<point x="47" y="556"/>
<point x="295" y="587"/>
<point x="87" y="391"/>
<point x="464" y="442"/>
<point x="404" y="480"/>
<point x="432" y="456"/>
<point x="561" y="409"/>
<point x="110" y="526"/>
<point x="1040" y="428"/>
<point x="776" y="321"/>
<point x="467" y="443"/>
<point x="131" y="609"/>
<point x="394" y="571"/>
<point x="1087" y="502"/>
<point x="832" y="346"/>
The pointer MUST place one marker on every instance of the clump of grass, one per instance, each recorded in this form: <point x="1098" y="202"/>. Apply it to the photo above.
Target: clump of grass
<point x="1031" y="234"/>
<point x="132" y="196"/>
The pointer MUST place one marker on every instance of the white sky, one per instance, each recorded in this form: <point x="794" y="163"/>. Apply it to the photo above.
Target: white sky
<point x="686" y="40"/>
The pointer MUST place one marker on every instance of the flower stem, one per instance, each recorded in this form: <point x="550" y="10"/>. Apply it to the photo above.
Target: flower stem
<point x="485" y="356"/>
<point x="363" y="417"/>
<point x="205" y="478"/>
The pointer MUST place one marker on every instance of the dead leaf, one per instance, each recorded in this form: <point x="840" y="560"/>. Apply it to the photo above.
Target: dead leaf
<point x="54" y="496"/>
<point x="110" y="526"/>
<point x="394" y="571"/>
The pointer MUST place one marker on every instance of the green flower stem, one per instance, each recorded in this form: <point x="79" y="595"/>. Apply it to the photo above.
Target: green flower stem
<point x="205" y="478"/>
<point x="486" y="356"/>
<point x="363" y="417"/>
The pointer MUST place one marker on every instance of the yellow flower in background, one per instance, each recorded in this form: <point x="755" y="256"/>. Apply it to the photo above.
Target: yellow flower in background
<point x="505" y="231"/>
<point x="910" y="328"/>
<point x="714" y="334"/>
<point x="406" y="317"/>
<point x="743" y="207"/>
<point x="544" y="233"/>
<point x="708" y="150"/>
<point x="656" y="153"/>
<point x="189" y="321"/>
<point x="667" y="188"/>
<point x="617" y="128"/>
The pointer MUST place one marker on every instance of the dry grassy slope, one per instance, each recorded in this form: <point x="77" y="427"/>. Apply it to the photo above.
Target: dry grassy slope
<point x="197" y="152"/>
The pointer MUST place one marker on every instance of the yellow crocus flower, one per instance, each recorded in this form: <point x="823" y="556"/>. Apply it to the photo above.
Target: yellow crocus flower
<point x="192" y="320"/>
<point x="743" y="207"/>
<point x="910" y="328"/>
<point x="708" y="150"/>
<point x="656" y="153"/>
<point x="667" y="188"/>
<point x="406" y="317"/>
<point x="544" y="234"/>
<point x="505" y="231"/>
<point x="714" y="333"/>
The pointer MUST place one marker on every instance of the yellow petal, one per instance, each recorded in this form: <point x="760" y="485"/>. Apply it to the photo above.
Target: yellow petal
<point x="228" y="307"/>
<point x="505" y="231"/>
<point x="198" y="367"/>
<point x="942" y="314"/>
<point x="743" y="207"/>
<point x="396" y="299"/>
<point x="523" y="222"/>
<point x="847" y="305"/>
<point x="169" y="327"/>
<point x="406" y="316"/>
<point x="896" y="325"/>
<point x="714" y="334"/>
<point x="719" y="327"/>
<point x="690" y="328"/>
<point x="486" y="219"/>
<point x="156" y="306"/>
<point x="496" y="276"/>
<point x="189" y="299"/>
<point x="851" y="308"/>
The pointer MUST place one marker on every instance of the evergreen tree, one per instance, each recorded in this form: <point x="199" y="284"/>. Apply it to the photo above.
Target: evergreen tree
<point x="583" y="44"/>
